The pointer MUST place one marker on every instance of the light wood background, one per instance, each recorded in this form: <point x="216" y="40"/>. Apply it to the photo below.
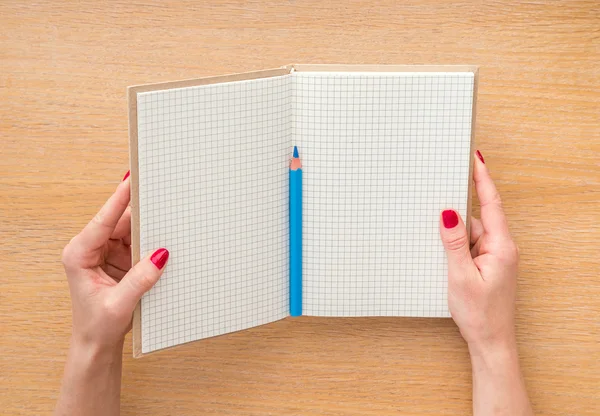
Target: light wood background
<point x="64" y="69"/>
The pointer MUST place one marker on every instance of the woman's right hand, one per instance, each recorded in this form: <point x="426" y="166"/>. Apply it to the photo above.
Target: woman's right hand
<point x="482" y="279"/>
<point x="482" y="283"/>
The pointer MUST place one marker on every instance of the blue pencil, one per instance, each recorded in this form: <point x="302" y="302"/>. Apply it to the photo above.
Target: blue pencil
<point x="295" y="235"/>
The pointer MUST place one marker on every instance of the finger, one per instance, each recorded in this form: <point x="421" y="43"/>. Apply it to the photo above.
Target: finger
<point x="123" y="228"/>
<point x="141" y="278"/>
<point x="476" y="230"/>
<point x="119" y="255"/>
<point x="476" y="249"/>
<point x="100" y="228"/>
<point x="456" y="243"/>
<point x="492" y="214"/>
<point x="113" y="272"/>
<point x="476" y="234"/>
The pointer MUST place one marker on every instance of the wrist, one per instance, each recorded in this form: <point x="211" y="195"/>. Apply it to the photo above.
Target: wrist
<point x="488" y="353"/>
<point x="90" y="352"/>
<point x="484" y="340"/>
<point x="92" y="379"/>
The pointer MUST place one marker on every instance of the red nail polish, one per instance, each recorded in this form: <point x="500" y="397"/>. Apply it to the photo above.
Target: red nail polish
<point x="449" y="218"/>
<point x="127" y="175"/>
<point x="160" y="257"/>
<point x="478" y="153"/>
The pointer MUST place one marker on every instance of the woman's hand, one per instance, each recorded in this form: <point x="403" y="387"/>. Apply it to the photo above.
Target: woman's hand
<point x="482" y="279"/>
<point x="104" y="292"/>
<point x="104" y="288"/>
<point x="482" y="282"/>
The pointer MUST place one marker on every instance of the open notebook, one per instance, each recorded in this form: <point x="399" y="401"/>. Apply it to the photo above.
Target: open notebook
<point x="384" y="150"/>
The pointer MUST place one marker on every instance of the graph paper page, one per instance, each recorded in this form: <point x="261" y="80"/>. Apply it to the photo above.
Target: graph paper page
<point x="382" y="154"/>
<point x="213" y="190"/>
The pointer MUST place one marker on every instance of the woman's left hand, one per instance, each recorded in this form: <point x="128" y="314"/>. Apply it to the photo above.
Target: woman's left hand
<point x="104" y="287"/>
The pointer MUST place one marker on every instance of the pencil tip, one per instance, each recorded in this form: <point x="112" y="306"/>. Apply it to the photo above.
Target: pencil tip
<point x="296" y="151"/>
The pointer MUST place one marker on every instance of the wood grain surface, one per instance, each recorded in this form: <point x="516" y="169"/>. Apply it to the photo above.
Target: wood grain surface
<point x="64" y="69"/>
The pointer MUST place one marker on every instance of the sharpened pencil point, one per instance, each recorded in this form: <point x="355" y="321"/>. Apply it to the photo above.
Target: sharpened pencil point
<point x="296" y="151"/>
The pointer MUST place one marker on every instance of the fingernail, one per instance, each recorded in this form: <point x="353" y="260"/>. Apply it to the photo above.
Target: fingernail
<point x="449" y="218"/>
<point x="126" y="175"/>
<point x="478" y="153"/>
<point x="160" y="257"/>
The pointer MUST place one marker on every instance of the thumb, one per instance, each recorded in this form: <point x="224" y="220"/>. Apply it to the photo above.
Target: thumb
<point x="456" y="242"/>
<point x="141" y="278"/>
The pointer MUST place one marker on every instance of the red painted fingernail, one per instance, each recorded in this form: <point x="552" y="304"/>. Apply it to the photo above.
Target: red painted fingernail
<point x="127" y="175"/>
<point x="449" y="218"/>
<point x="160" y="257"/>
<point x="478" y="153"/>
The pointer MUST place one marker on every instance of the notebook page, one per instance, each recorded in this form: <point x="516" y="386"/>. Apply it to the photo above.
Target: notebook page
<point x="382" y="154"/>
<point x="213" y="190"/>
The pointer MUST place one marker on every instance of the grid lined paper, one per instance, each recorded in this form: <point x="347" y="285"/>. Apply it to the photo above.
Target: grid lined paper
<point x="382" y="154"/>
<point x="213" y="175"/>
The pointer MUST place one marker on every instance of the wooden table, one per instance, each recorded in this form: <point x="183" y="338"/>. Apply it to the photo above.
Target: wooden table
<point x="63" y="130"/>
